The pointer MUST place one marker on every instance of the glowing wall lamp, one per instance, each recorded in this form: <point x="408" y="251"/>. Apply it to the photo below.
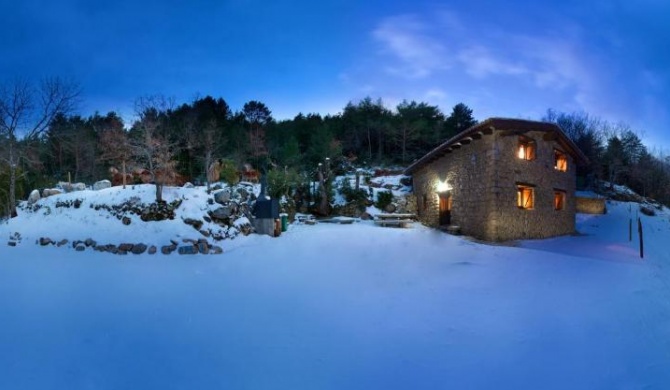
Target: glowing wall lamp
<point x="443" y="186"/>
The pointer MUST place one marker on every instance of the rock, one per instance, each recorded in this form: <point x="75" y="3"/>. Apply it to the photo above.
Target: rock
<point x="188" y="250"/>
<point x="197" y="224"/>
<point x="44" y="241"/>
<point x="244" y="194"/>
<point x="34" y="196"/>
<point x="11" y="243"/>
<point x="203" y="247"/>
<point x="80" y="247"/>
<point x="138" y="249"/>
<point x="222" y="197"/>
<point x="50" y="191"/>
<point x="101" y="185"/>
<point x="62" y="242"/>
<point x="167" y="249"/>
<point x="152" y="250"/>
<point x="207" y="219"/>
<point x="125" y="221"/>
<point x="126" y="246"/>
<point x="90" y="242"/>
<point x="647" y="211"/>
<point x="78" y="187"/>
<point x="215" y="250"/>
<point x="224" y="212"/>
<point x="205" y="233"/>
<point x="390" y="208"/>
<point x="188" y="185"/>
<point x="365" y="216"/>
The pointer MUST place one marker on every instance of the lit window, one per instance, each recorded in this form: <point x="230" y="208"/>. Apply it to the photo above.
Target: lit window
<point x="526" y="149"/>
<point x="525" y="197"/>
<point x="560" y="161"/>
<point x="559" y="200"/>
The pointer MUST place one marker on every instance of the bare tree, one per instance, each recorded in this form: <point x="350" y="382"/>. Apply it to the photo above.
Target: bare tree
<point x="25" y="113"/>
<point x="116" y="147"/>
<point x="153" y="147"/>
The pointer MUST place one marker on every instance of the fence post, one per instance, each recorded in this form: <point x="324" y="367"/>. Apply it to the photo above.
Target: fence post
<point x="639" y="230"/>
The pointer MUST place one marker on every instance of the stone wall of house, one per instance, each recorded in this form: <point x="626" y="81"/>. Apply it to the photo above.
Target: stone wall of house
<point x="484" y="176"/>
<point x="467" y="171"/>
<point x="507" y="220"/>
<point x="591" y="205"/>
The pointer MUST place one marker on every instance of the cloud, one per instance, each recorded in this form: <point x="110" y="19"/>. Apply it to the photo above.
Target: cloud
<point x="408" y="39"/>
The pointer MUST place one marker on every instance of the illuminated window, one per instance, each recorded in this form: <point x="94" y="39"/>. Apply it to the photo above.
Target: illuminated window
<point x="525" y="197"/>
<point x="526" y="149"/>
<point x="559" y="200"/>
<point x="560" y="161"/>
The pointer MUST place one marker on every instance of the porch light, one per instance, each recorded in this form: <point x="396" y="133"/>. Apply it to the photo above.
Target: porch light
<point x="443" y="186"/>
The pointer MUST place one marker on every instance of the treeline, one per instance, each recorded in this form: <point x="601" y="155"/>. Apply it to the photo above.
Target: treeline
<point x="42" y="141"/>
<point x="187" y="139"/>
<point x="617" y="155"/>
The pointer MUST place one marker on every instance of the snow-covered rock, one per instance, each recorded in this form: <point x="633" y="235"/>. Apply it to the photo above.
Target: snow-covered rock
<point x="101" y="185"/>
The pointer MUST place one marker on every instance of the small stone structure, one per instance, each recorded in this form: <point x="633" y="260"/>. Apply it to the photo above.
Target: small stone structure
<point x="502" y="179"/>
<point x="587" y="205"/>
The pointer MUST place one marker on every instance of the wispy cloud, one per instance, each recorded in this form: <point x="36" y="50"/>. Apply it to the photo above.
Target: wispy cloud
<point x="411" y="41"/>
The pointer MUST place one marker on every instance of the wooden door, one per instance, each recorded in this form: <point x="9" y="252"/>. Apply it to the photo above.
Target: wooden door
<point x="445" y="209"/>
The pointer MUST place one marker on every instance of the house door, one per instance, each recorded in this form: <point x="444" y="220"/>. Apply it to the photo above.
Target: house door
<point x="445" y="209"/>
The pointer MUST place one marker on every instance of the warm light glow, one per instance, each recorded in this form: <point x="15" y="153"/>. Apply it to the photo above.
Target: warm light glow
<point x="522" y="151"/>
<point x="443" y="186"/>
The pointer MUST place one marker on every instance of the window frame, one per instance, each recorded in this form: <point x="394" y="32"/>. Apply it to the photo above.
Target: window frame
<point x="560" y="155"/>
<point x="522" y="188"/>
<point x="562" y="195"/>
<point x="526" y="149"/>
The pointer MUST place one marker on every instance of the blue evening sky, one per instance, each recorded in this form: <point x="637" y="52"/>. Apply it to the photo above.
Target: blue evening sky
<point x="501" y="58"/>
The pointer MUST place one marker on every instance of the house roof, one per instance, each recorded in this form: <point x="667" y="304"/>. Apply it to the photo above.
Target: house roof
<point x="519" y="126"/>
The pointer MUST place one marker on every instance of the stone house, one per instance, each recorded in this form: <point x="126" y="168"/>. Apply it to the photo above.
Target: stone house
<point x="502" y="179"/>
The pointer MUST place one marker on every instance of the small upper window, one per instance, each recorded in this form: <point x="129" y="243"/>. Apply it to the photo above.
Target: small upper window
<point x="526" y="149"/>
<point x="559" y="200"/>
<point x="560" y="161"/>
<point x="525" y="197"/>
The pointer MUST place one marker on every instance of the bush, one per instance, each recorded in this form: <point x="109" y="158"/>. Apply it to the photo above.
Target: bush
<point x="384" y="198"/>
<point x="229" y="173"/>
<point x="349" y="193"/>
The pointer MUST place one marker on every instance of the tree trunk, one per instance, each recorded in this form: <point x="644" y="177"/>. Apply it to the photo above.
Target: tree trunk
<point x="12" y="181"/>
<point x="208" y="162"/>
<point x="159" y="193"/>
<point x="323" y="204"/>
<point x="123" y="172"/>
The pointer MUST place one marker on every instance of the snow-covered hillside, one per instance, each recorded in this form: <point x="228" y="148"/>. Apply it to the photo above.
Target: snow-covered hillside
<point x="335" y="306"/>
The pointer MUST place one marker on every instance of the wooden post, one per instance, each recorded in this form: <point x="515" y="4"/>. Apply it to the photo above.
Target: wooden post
<point x="639" y="230"/>
<point x="630" y="229"/>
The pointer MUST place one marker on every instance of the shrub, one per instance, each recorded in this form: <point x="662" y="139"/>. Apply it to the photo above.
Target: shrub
<point x="384" y="198"/>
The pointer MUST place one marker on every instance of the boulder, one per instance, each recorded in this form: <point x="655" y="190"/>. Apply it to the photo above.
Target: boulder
<point x="222" y="197"/>
<point x="223" y="212"/>
<point x="188" y="185"/>
<point x="152" y="250"/>
<point x="101" y="185"/>
<point x="138" y="249"/>
<point x="80" y="247"/>
<point x="215" y="250"/>
<point x="62" y="242"/>
<point x="244" y="194"/>
<point x="90" y="242"/>
<point x="167" y="249"/>
<point x="50" y="191"/>
<point x="203" y="246"/>
<point x="34" y="196"/>
<point x="44" y="241"/>
<point x="390" y="208"/>
<point x="125" y="221"/>
<point x="188" y="250"/>
<point x="126" y="247"/>
<point x="197" y="224"/>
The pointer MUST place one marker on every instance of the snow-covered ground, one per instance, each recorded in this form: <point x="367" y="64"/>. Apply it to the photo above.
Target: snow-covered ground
<point x="340" y="307"/>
